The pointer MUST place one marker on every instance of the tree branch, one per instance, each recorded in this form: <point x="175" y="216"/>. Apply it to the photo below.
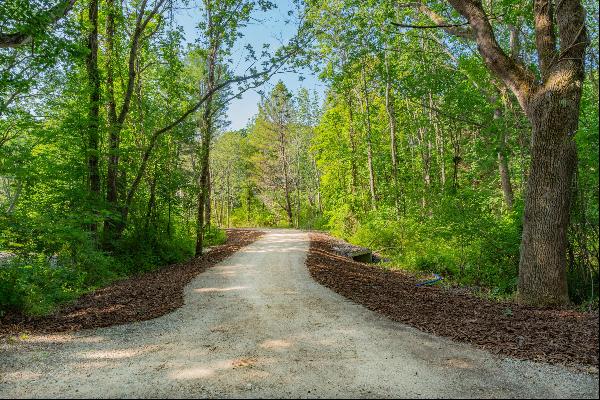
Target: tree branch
<point x="459" y="30"/>
<point x="512" y="72"/>
<point x="153" y="140"/>
<point x="47" y="18"/>
<point x="428" y="26"/>
<point x="545" y="39"/>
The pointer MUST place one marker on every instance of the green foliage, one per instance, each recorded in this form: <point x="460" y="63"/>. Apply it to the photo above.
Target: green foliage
<point x="36" y="287"/>
<point x="38" y="278"/>
<point x="64" y="235"/>
<point x="464" y="245"/>
<point x="215" y="236"/>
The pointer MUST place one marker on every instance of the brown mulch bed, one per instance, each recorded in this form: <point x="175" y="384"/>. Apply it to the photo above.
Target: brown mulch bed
<point x="548" y="335"/>
<point x="138" y="298"/>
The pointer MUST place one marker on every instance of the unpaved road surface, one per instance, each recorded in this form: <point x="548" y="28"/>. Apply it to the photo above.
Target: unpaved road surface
<point x="257" y="325"/>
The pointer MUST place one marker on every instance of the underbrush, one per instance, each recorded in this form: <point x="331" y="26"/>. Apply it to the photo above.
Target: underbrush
<point x="35" y="283"/>
<point x="462" y="240"/>
<point x="214" y="236"/>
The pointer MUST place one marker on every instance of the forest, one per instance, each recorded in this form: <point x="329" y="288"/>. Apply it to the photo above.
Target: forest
<point x="453" y="137"/>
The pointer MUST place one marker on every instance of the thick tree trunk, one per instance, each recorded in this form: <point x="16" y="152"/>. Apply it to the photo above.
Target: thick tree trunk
<point x="552" y="107"/>
<point x="543" y="269"/>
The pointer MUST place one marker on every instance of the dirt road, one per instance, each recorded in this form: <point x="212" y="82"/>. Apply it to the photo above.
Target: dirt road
<point x="257" y="325"/>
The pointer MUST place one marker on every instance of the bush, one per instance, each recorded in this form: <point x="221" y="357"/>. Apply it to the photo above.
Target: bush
<point x="35" y="287"/>
<point x="39" y="278"/>
<point x="214" y="236"/>
<point x="140" y="253"/>
<point x="461" y="239"/>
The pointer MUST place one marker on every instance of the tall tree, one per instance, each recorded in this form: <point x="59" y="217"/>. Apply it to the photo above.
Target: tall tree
<point x="93" y="72"/>
<point x="551" y="103"/>
<point x="271" y="137"/>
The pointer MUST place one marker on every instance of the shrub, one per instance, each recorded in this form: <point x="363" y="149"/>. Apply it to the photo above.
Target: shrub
<point x="35" y="287"/>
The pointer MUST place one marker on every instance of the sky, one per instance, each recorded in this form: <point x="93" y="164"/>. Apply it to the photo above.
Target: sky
<point x="270" y="27"/>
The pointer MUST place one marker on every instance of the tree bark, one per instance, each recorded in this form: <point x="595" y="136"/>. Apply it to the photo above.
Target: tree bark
<point x="286" y="178"/>
<point x="352" y="138"/>
<point x="207" y="201"/>
<point x="505" y="182"/>
<point x="204" y="169"/>
<point x="542" y="267"/>
<point x="208" y="126"/>
<point x="113" y="137"/>
<point x="391" y="112"/>
<point x="204" y="165"/>
<point x="113" y="227"/>
<point x="503" y="168"/>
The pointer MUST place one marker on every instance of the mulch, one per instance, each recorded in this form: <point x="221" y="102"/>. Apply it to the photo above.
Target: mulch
<point x="554" y="336"/>
<point x="138" y="298"/>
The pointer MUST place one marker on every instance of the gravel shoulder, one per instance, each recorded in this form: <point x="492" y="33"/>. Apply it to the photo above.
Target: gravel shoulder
<point x="258" y="325"/>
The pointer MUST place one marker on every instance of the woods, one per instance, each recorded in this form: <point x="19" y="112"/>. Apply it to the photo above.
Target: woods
<point x="458" y="138"/>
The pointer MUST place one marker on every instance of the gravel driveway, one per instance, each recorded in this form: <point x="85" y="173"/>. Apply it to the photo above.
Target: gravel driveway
<point x="257" y="325"/>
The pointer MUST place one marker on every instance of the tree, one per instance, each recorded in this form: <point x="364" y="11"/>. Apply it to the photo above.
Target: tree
<point x="551" y="103"/>
<point x="271" y="137"/>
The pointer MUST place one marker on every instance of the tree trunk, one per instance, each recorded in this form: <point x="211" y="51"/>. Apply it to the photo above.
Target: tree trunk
<point x="352" y="137"/>
<point x="425" y="150"/>
<point x="391" y="112"/>
<point x="202" y="194"/>
<point x="151" y="203"/>
<point x="503" y="169"/>
<point x="286" y="178"/>
<point x="207" y="200"/>
<point x="439" y="141"/>
<point x="542" y="267"/>
<point x="507" y="190"/>
<point x="552" y="107"/>
<point x="208" y="126"/>
<point x="94" y="108"/>
<point x="110" y="224"/>
<point x="366" y="109"/>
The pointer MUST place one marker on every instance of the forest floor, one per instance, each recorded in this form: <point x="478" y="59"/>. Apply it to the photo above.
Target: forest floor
<point x="257" y="325"/>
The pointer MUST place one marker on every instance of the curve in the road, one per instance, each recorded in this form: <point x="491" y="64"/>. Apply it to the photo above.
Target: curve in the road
<point x="257" y="325"/>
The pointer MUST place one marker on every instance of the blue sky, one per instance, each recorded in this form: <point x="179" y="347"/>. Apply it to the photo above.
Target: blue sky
<point x="271" y="28"/>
